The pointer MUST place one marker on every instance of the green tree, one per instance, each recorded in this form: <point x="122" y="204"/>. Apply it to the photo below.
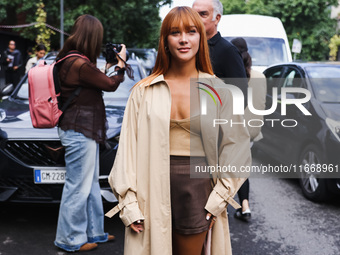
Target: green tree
<point x="307" y="20"/>
<point x="334" y="47"/>
<point x="135" y="23"/>
<point x="44" y="33"/>
<point x="234" y="6"/>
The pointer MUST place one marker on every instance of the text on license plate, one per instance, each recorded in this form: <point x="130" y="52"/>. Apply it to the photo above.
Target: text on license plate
<point x="49" y="176"/>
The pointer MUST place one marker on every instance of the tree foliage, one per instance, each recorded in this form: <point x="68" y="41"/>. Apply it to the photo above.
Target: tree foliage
<point x="334" y="47"/>
<point x="44" y="35"/>
<point x="234" y="6"/>
<point x="307" y="20"/>
<point x="135" y="23"/>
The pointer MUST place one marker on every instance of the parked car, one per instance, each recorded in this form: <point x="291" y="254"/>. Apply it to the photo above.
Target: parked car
<point x="315" y="139"/>
<point x="146" y="56"/>
<point x="265" y="35"/>
<point x="32" y="167"/>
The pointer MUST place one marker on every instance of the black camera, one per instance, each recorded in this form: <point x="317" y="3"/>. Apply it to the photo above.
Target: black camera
<point x="111" y="53"/>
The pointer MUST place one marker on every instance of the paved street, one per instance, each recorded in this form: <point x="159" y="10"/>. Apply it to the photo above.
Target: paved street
<point x="283" y="222"/>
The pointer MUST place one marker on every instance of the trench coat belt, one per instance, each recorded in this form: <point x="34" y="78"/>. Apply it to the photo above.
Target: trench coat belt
<point x="229" y="199"/>
<point x="233" y="203"/>
<point x="119" y="207"/>
<point x="122" y="204"/>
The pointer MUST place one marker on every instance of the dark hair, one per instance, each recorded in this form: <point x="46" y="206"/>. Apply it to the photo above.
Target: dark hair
<point x="40" y="47"/>
<point x="29" y="50"/>
<point x="241" y="45"/>
<point x="86" y="37"/>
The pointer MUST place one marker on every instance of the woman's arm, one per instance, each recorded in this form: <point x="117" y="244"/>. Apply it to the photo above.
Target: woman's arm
<point x="234" y="151"/>
<point x="90" y="76"/>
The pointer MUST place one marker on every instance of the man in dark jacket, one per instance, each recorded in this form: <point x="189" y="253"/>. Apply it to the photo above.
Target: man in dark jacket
<point x="225" y="58"/>
<point x="11" y="60"/>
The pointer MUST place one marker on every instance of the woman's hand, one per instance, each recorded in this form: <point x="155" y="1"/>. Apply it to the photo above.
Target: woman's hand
<point x="137" y="226"/>
<point x="213" y="219"/>
<point x="120" y="63"/>
<point x="122" y="54"/>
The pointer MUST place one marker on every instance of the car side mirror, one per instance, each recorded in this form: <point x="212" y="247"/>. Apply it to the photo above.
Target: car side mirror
<point x="288" y="96"/>
<point x="6" y="90"/>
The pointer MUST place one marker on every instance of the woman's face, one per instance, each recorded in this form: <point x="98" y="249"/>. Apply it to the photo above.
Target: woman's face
<point x="40" y="54"/>
<point x="183" y="45"/>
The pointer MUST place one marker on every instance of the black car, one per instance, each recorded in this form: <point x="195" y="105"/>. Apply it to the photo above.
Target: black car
<point x="32" y="166"/>
<point x="308" y="143"/>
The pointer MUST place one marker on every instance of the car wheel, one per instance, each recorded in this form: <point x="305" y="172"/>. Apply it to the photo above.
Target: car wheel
<point x="313" y="187"/>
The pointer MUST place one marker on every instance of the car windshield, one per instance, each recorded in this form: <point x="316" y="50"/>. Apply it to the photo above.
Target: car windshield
<point x="265" y="51"/>
<point x="146" y="56"/>
<point x="325" y="81"/>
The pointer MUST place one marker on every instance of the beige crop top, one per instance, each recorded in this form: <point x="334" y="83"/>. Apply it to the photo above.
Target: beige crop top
<point x="184" y="133"/>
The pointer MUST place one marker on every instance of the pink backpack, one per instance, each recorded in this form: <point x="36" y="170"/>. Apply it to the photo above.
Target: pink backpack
<point x="44" y="91"/>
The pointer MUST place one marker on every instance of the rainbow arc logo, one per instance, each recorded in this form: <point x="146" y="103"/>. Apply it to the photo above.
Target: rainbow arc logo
<point x="204" y="101"/>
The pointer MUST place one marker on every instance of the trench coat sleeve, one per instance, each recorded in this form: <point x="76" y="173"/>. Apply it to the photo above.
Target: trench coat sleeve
<point x="122" y="178"/>
<point x="233" y="151"/>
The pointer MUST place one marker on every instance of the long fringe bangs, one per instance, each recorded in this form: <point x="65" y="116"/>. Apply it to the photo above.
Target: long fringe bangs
<point x="182" y="18"/>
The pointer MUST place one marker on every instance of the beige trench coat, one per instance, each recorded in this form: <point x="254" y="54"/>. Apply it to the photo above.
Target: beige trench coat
<point x="140" y="177"/>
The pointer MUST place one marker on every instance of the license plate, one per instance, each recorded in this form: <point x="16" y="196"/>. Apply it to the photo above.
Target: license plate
<point x="49" y="176"/>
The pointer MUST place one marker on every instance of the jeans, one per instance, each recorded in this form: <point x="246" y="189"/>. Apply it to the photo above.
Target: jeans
<point x="81" y="215"/>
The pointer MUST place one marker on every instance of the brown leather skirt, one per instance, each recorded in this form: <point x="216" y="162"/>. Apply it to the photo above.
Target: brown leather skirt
<point x="188" y="196"/>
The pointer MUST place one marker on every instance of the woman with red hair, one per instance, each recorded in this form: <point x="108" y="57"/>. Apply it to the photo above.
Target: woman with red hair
<point x="166" y="207"/>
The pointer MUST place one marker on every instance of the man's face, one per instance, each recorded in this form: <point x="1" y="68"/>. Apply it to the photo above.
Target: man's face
<point x="206" y="11"/>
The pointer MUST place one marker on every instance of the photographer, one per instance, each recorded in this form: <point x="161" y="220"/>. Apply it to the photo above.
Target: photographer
<point x="81" y="128"/>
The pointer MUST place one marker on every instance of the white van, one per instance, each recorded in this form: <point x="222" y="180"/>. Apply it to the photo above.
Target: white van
<point x="266" y="37"/>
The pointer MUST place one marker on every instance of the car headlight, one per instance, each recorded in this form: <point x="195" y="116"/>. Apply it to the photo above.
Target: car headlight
<point x="334" y="126"/>
<point x="2" y="114"/>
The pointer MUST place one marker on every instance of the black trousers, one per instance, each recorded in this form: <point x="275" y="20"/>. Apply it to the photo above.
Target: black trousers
<point x="12" y="77"/>
<point x="243" y="192"/>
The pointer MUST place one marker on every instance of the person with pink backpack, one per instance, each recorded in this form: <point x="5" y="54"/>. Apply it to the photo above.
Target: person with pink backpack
<point x="82" y="127"/>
